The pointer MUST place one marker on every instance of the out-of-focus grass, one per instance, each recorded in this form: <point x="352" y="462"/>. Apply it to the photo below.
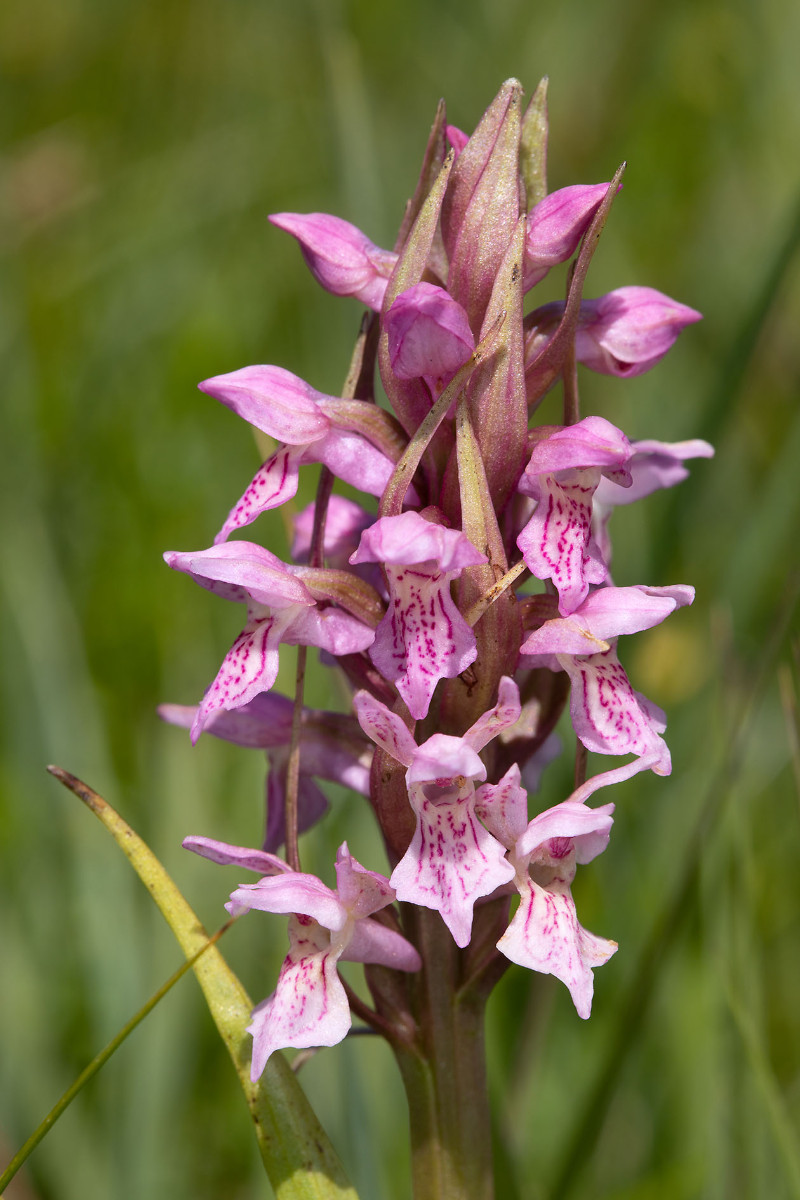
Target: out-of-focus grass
<point x="143" y="146"/>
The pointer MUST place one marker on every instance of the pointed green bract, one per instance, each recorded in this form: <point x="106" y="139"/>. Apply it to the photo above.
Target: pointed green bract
<point x="533" y="146"/>
<point x="298" y="1157"/>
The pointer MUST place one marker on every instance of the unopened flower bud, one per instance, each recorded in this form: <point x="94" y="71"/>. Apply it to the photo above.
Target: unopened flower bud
<point x="339" y="256"/>
<point x="624" y="333"/>
<point x="429" y="334"/>
<point x="556" y="225"/>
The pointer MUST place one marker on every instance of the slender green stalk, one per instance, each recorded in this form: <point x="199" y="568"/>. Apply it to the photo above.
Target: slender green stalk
<point x="100" y="1060"/>
<point x="445" y="1077"/>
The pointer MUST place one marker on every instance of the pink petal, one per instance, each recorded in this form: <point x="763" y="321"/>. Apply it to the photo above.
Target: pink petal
<point x="555" y="226"/>
<point x="504" y="714"/>
<point x="266" y="721"/>
<point x="588" y="828"/>
<point x="242" y="570"/>
<point x="607" y="613"/>
<point x="296" y="893"/>
<point x="654" y="465"/>
<point x="374" y="943"/>
<point x="545" y="936"/>
<point x="503" y="807"/>
<point x="344" y="523"/>
<point x="340" y="257"/>
<point x="353" y="459"/>
<point x="362" y="892"/>
<point x="451" y="862"/>
<point x="385" y="728"/>
<point x="443" y="759"/>
<point x="330" y="629"/>
<point x="236" y="856"/>
<point x="627" y="331"/>
<point x="592" y="442"/>
<point x="428" y="332"/>
<point x="273" y="400"/>
<point x="410" y="540"/>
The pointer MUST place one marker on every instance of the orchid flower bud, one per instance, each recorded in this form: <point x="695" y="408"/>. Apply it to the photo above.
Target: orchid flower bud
<point x="624" y="333"/>
<point x="429" y="335"/>
<point x="339" y="256"/>
<point x="556" y="225"/>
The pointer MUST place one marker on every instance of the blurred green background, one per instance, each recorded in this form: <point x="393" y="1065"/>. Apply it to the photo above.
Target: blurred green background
<point x="143" y="145"/>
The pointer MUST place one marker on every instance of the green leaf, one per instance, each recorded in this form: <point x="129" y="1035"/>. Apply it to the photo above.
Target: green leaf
<point x="299" y="1159"/>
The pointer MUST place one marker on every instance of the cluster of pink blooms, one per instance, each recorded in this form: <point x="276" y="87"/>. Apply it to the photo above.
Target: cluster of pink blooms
<point x="458" y="675"/>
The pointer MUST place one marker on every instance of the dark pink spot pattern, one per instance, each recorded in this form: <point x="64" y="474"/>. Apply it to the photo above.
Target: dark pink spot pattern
<point x="609" y="717"/>
<point x="309" y="1006"/>
<point x="272" y="485"/>
<point x="557" y="542"/>
<point x="452" y="859"/>
<point x="423" y="637"/>
<point x="545" y="936"/>
<point x="249" y="667"/>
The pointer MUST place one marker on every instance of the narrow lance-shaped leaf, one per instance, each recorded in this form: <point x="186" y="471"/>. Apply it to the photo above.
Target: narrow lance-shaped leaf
<point x="299" y="1159"/>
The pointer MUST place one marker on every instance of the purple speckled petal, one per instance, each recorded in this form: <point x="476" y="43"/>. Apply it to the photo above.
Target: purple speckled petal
<point x="273" y="484"/>
<point x="374" y="943"/>
<point x="451" y="862"/>
<point x="422" y="638"/>
<point x="545" y="936"/>
<point x="273" y="400"/>
<point x="503" y="807"/>
<point x="385" y="728"/>
<point x="557" y="542"/>
<point x="607" y="715"/>
<point x="309" y="1006"/>
<point x="236" y="856"/>
<point x="505" y="713"/>
<point x="249" y="667"/>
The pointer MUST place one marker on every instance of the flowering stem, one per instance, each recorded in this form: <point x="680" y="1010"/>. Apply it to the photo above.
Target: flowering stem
<point x="445" y="1076"/>
<point x="293" y="765"/>
<point x="572" y="406"/>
